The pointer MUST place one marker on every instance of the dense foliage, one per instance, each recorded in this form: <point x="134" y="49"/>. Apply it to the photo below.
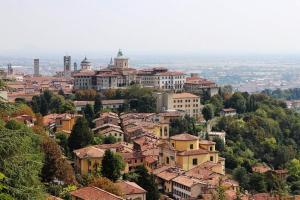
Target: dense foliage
<point x="21" y="162"/>
<point x="264" y="131"/>
<point x="112" y="164"/>
<point x="186" y="124"/>
<point x="145" y="180"/>
<point x="107" y="185"/>
<point x="81" y="135"/>
<point x="289" y="94"/>
<point x="50" y="102"/>
<point x="56" y="166"/>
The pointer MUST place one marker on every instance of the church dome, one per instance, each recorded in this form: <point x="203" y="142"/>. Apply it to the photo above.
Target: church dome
<point x="85" y="61"/>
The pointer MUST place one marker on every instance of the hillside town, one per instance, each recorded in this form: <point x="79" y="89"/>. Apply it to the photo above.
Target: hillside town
<point x="120" y="121"/>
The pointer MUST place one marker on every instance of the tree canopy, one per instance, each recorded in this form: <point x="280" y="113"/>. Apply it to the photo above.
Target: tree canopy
<point x="81" y="135"/>
<point x="112" y="164"/>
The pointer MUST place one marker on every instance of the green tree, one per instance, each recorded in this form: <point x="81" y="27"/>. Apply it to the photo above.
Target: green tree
<point x="48" y="96"/>
<point x="107" y="185"/>
<point x="89" y="114"/>
<point x="220" y="146"/>
<point x="81" y="135"/>
<point x="3" y="187"/>
<point x="238" y="102"/>
<point x="109" y="140"/>
<point x="21" y="161"/>
<point x="257" y="182"/>
<point x="55" y="165"/>
<point x="112" y="164"/>
<point x="208" y="112"/>
<point x="68" y="107"/>
<point x="44" y="106"/>
<point x="36" y="104"/>
<point x="147" y="181"/>
<point x="217" y="102"/>
<point x="240" y="174"/>
<point x="98" y="104"/>
<point x="14" y="125"/>
<point x="62" y="140"/>
<point x="61" y="92"/>
<point x="56" y="104"/>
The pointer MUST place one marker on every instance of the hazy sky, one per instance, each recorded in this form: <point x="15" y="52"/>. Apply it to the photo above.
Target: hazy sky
<point x="149" y="26"/>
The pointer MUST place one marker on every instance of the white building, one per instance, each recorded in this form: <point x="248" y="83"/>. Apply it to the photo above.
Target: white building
<point x="161" y="78"/>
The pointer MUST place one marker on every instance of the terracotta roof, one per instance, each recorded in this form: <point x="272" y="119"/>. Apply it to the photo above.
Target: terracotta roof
<point x="184" y="137"/>
<point x="110" y="129"/>
<point x="132" y="155"/>
<point x="167" y="175"/>
<point x="261" y="168"/>
<point x="119" y="146"/>
<point x="207" y="165"/>
<point x="106" y="125"/>
<point x="84" y="73"/>
<point x="198" y="80"/>
<point x="184" y="95"/>
<point x="89" y="152"/>
<point x="229" y="110"/>
<point x="94" y="193"/>
<point x="200" y="173"/>
<point x="187" y="180"/>
<point x="129" y="188"/>
<point x="150" y="159"/>
<point x="161" y="169"/>
<point x="171" y="114"/>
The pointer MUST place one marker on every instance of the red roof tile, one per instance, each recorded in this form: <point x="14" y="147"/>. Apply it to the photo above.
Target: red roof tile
<point x="129" y="188"/>
<point x="94" y="193"/>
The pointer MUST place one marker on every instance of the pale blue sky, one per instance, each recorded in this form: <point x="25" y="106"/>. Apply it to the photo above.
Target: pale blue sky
<point x="149" y="26"/>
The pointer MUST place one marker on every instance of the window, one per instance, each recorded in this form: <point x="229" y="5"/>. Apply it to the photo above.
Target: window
<point x="195" y="161"/>
<point x="211" y="158"/>
<point x="210" y="148"/>
<point x="166" y="131"/>
<point x="191" y="146"/>
<point x="168" y="160"/>
<point x="173" y="144"/>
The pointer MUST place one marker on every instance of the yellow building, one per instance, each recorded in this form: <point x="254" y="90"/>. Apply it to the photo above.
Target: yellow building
<point x="186" y="102"/>
<point x="65" y="122"/>
<point x="187" y="152"/>
<point x="88" y="160"/>
<point x="62" y="122"/>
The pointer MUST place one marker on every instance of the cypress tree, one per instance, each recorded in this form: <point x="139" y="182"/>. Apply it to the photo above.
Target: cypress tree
<point x="112" y="164"/>
<point x="81" y="135"/>
<point x="44" y="107"/>
<point x="98" y="104"/>
<point x="89" y="114"/>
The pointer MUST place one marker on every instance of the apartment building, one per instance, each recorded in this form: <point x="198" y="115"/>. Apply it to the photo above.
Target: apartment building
<point x="187" y="103"/>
